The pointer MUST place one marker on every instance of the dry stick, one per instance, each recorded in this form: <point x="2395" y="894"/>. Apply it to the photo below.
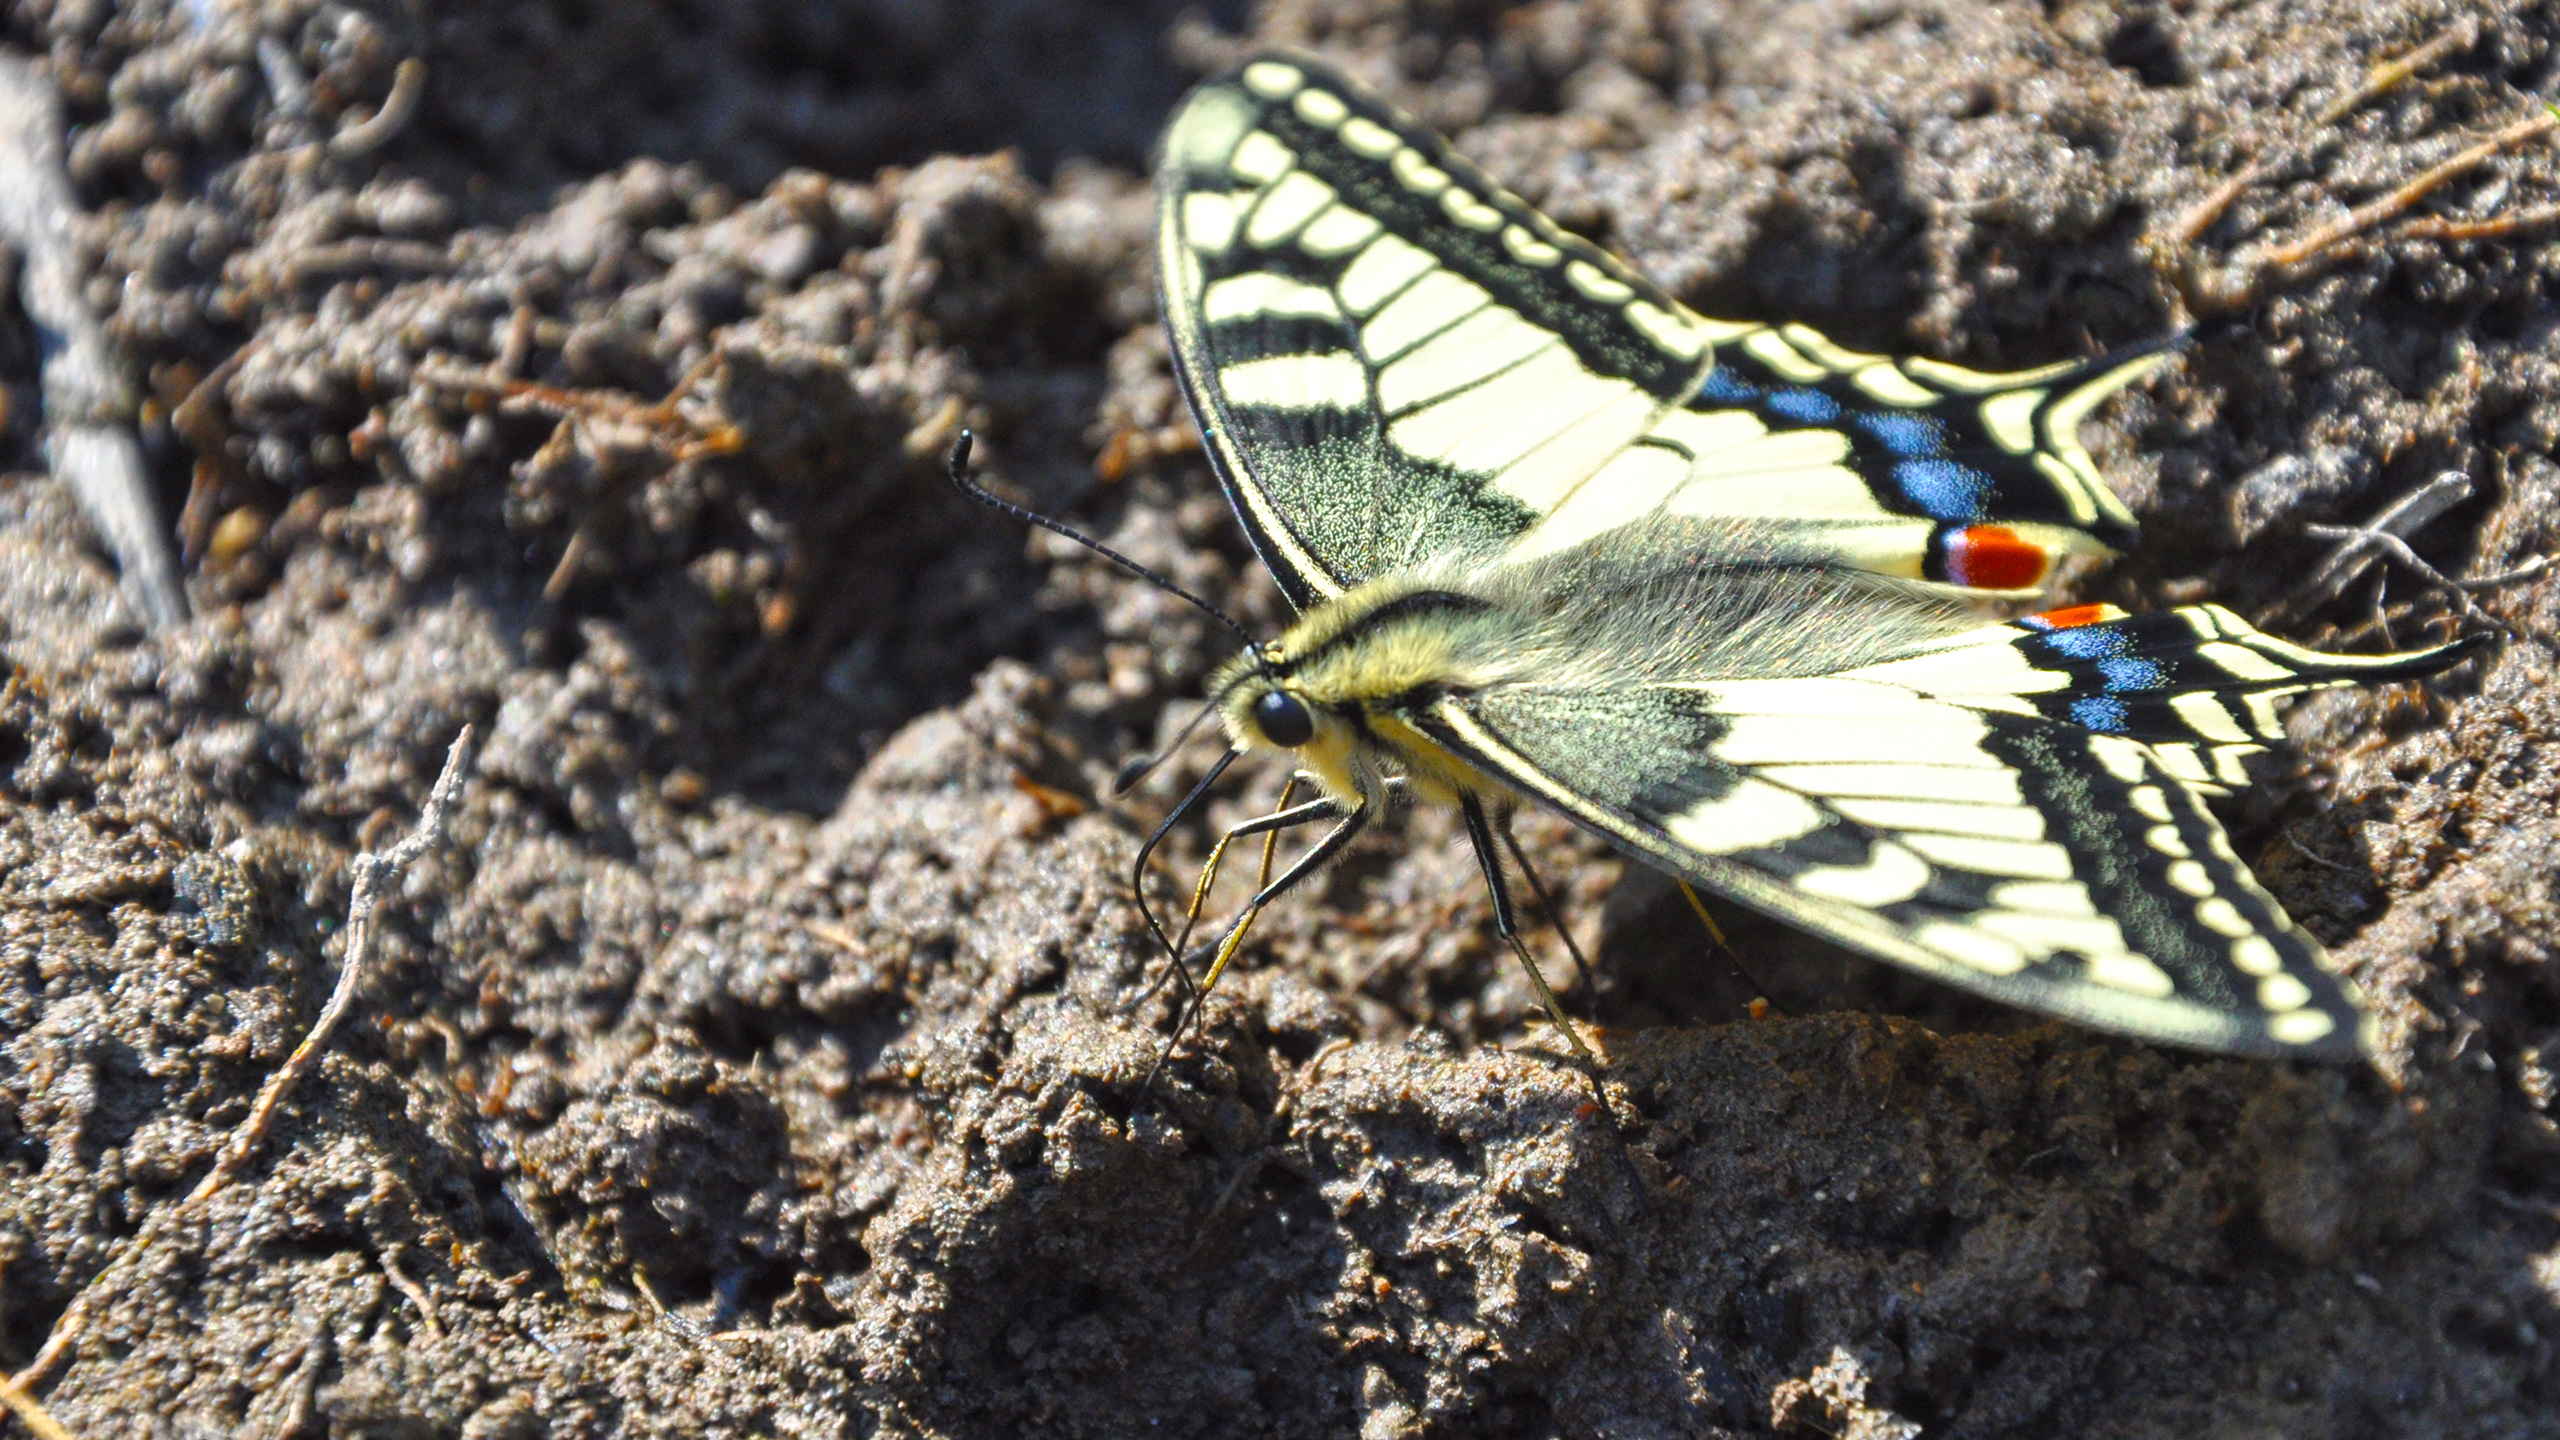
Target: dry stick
<point x="88" y="401"/>
<point x="408" y="87"/>
<point x="30" y="1413"/>
<point x="2391" y="72"/>
<point x="374" y="874"/>
<point x="2234" y="286"/>
<point x="2374" y="212"/>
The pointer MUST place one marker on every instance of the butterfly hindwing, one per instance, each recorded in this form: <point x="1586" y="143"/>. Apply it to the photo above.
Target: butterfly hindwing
<point x="1932" y="809"/>
<point x="1393" y="359"/>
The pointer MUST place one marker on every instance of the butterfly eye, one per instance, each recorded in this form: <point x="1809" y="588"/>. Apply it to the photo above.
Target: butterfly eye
<point x="1283" y="721"/>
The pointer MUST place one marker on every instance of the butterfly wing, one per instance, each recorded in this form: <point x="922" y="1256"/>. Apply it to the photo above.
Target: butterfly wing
<point x="2017" y="810"/>
<point x="1392" y="359"/>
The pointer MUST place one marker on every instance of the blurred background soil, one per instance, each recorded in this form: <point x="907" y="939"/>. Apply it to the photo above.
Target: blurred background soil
<point x="756" y="1058"/>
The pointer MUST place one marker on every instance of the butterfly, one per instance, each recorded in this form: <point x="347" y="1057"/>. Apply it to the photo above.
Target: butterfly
<point x="1713" y="590"/>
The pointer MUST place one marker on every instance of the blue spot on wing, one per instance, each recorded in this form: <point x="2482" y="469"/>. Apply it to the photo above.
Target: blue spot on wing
<point x="1724" y="386"/>
<point x="1944" y="489"/>
<point x="2086" y="642"/>
<point x="2133" y="674"/>
<point x="1913" y="436"/>
<point x="2102" y="713"/>
<point x="1811" y="406"/>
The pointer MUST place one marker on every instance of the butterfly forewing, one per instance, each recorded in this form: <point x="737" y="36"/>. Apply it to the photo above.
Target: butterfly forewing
<point x="1393" y="359"/>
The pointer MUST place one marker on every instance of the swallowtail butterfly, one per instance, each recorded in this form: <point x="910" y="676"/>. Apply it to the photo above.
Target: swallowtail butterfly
<point x="1710" y="589"/>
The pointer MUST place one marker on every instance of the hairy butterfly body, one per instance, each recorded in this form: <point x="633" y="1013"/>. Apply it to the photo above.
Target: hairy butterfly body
<point x="1708" y="588"/>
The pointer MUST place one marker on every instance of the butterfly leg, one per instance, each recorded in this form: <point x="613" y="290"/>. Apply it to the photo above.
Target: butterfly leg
<point x="1538" y="892"/>
<point x="1480" y="831"/>
<point x="1760" y="1005"/>
<point x="1352" y="822"/>
<point x="1146" y="852"/>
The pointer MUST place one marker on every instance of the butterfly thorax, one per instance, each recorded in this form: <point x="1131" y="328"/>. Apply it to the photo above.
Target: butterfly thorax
<point x="1361" y="670"/>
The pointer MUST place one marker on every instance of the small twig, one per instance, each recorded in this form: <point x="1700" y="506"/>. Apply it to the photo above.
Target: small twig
<point x="2387" y="75"/>
<point x="2495" y="227"/>
<point x="88" y="402"/>
<point x="2386" y="538"/>
<point x="416" y="1293"/>
<point x="31" y="1412"/>
<point x="2282" y="259"/>
<point x="408" y="87"/>
<point x="2208" y="290"/>
<point x="373" y="876"/>
<point x="2323" y="861"/>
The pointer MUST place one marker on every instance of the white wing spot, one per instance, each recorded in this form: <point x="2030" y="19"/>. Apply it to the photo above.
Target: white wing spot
<point x="1528" y="249"/>
<point x="2052" y="897"/>
<point x="1750" y="816"/>
<point x="2183" y="762"/>
<point x="2223" y="917"/>
<point x="2028" y="861"/>
<point x="2011" y="419"/>
<point x="1417" y="174"/>
<point x="2283" y="992"/>
<point x="1338" y="231"/>
<point x="1297" y="382"/>
<point x="1993" y="822"/>
<point x="1771" y="349"/>
<point x="1260" y="158"/>
<point x="1209" y="221"/>
<point x="1259" y="292"/>
<point x="1320" y="108"/>
<point x="1956" y="377"/>
<point x="1492" y="426"/>
<point x="2191" y="877"/>
<point x="2124" y="970"/>
<point x="2206" y="716"/>
<point x="2241" y="662"/>
<point x="1369" y="138"/>
<point x="1968" y="946"/>
<point x="1598" y="284"/>
<point x="1890" y="385"/>
<point x="2256" y="954"/>
<point x="2149" y="801"/>
<point x="2165" y="839"/>
<point x="1557" y="477"/>
<point x="1380" y="272"/>
<point x="1272" y="80"/>
<point x="2301" y="1027"/>
<point x="1487" y="341"/>
<point x="2123" y="758"/>
<point x="1821" y="347"/>
<point x="1667" y="329"/>
<point x="1890" y="874"/>
<point x="1285" y="207"/>
<point x="1427" y="307"/>
<point x="1471" y="212"/>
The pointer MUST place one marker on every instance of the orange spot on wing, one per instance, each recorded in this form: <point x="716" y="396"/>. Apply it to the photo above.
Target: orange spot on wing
<point x="1992" y="557"/>
<point x="2074" y="615"/>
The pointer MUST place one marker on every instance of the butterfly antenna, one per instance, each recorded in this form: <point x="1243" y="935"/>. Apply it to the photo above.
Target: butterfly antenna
<point x="959" y="465"/>
<point x="1134" y="772"/>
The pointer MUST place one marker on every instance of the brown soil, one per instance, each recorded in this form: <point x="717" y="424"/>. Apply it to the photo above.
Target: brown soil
<point x="753" y="1059"/>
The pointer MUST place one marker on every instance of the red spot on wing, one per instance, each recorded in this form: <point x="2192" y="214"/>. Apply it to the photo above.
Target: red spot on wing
<point x="2070" y="616"/>
<point x="1992" y="557"/>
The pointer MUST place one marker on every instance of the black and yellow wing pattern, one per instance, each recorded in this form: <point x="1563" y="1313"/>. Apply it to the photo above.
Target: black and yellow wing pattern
<point x="1700" y="583"/>
<point x="1392" y="357"/>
